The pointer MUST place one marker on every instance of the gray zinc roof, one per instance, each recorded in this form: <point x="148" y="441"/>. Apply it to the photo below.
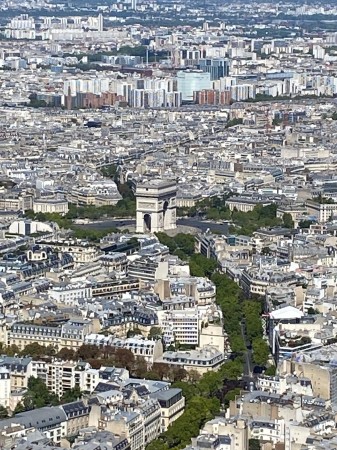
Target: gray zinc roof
<point x="37" y="418"/>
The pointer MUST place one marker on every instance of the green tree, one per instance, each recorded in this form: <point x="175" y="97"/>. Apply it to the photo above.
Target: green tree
<point x="193" y="376"/>
<point x="38" y="395"/>
<point x="161" y="370"/>
<point x="196" y="270"/>
<point x="167" y="240"/>
<point x="252" y="313"/>
<point x="206" y="266"/>
<point x="234" y="122"/>
<point x="185" y="243"/>
<point x="254" y="444"/>
<point x="189" y="390"/>
<point x="124" y="358"/>
<point x="179" y="434"/>
<point x="232" y="370"/>
<point x="305" y="223"/>
<point x="34" y="350"/>
<point x="182" y="244"/>
<point x="140" y="367"/>
<point x="228" y="298"/>
<point x="20" y="407"/>
<point x="231" y="395"/>
<point x="177" y="374"/>
<point x="71" y="395"/>
<point x="260" y="351"/>
<point x="12" y="350"/>
<point x="288" y="220"/>
<point x="210" y="383"/>
<point x="276" y="121"/>
<point x="87" y="351"/>
<point x="67" y="354"/>
<point x="134" y="332"/>
<point x="155" y="332"/>
<point x="270" y="371"/>
<point x="109" y="171"/>
<point x="3" y="412"/>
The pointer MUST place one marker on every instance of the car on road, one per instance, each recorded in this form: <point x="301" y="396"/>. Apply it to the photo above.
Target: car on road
<point x="258" y="370"/>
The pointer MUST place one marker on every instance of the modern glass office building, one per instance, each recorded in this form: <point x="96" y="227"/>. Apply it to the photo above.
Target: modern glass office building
<point x="216" y="67"/>
<point x="189" y="81"/>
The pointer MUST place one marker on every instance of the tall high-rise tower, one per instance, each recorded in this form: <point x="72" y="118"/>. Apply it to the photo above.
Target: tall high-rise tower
<point x="100" y="22"/>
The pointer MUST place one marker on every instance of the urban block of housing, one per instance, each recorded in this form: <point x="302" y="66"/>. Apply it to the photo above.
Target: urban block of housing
<point x="242" y="116"/>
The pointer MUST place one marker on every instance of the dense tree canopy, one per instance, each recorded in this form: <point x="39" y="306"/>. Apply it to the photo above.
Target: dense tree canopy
<point x="181" y="244"/>
<point x="228" y="298"/>
<point x="245" y="223"/>
<point x="260" y="351"/>
<point x="38" y="395"/>
<point x="288" y="220"/>
<point x="252" y="313"/>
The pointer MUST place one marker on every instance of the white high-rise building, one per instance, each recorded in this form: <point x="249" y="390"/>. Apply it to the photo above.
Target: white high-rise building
<point x="318" y="52"/>
<point x="189" y="81"/>
<point x="100" y="22"/>
<point x="92" y="85"/>
<point x="180" y="326"/>
<point x="5" y="387"/>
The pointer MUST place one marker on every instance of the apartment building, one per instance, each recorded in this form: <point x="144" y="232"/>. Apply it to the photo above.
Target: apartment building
<point x="97" y="439"/>
<point x="181" y="326"/>
<point x="69" y="335"/>
<point x="5" y="387"/>
<point x="55" y="422"/>
<point x="282" y="420"/>
<point x="50" y="206"/>
<point x="60" y="376"/>
<point x="245" y="204"/>
<point x="297" y="211"/>
<point x="322" y="211"/>
<point x="172" y="405"/>
<point x="86" y="378"/>
<point x="16" y="201"/>
<point x="20" y="370"/>
<point x="117" y="262"/>
<point x="202" y="360"/>
<point x="256" y="281"/>
<point x="150" y="350"/>
<point x="81" y="252"/>
<point x="69" y="293"/>
<point x="140" y="426"/>
<point x="201" y="289"/>
<point x="299" y="385"/>
<point x="147" y="269"/>
<point x="51" y="421"/>
<point x="320" y="367"/>
<point x="267" y="430"/>
<point x="289" y="337"/>
<point x="204" y="441"/>
<point x="98" y="193"/>
<point x="151" y="412"/>
<point x="213" y="334"/>
<point x="110" y="287"/>
<point x="212" y="97"/>
<point x="77" y="417"/>
<point x="233" y="430"/>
